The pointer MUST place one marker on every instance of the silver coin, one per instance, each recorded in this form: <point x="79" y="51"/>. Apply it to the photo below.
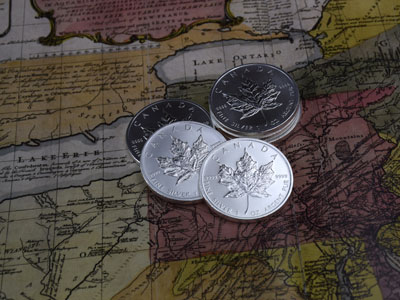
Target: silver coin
<point x="269" y="137"/>
<point x="172" y="157"/>
<point x="157" y="115"/>
<point x="246" y="179"/>
<point x="254" y="100"/>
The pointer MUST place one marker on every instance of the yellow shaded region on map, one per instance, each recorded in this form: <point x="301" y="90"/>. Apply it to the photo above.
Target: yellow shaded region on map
<point x="339" y="270"/>
<point x="347" y="23"/>
<point x="388" y="237"/>
<point x="391" y="179"/>
<point x="322" y="270"/>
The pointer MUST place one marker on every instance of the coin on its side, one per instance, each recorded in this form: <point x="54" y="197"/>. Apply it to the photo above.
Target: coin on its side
<point x="255" y="100"/>
<point x="246" y="179"/>
<point x="172" y="157"/>
<point x="157" y="115"/>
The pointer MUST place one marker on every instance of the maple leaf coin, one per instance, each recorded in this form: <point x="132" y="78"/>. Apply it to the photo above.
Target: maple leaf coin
<point x="172" y="157"/>
<point x="246" y="179"/>
<point x="157" y="115"/>
<point x="255" y="100"/>
<point x="269" y="136"/>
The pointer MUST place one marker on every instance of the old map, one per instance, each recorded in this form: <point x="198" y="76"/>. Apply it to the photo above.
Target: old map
<point x="76" y="218"/>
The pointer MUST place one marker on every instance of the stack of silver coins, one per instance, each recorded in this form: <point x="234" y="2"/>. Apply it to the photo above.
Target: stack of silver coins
<point x="255" y="100"/>
<point x="232" y="167"/>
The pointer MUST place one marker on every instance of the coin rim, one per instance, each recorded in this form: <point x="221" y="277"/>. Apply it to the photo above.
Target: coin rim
<point x="243" y="219"/>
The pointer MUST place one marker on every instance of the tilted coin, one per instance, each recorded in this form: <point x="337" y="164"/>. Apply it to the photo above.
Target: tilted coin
<point x="246" y="179"/>
<point x="254" y="100"/>
<point x="172" y="157"/>
<point x="157" y="115"/>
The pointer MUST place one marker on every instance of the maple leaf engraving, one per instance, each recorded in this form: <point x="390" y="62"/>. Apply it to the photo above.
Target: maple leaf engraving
<point x="254" y="98"/>
<point x="186" y="160"/>
<point x="247" y="180"/>
<point x="165" y="119"/>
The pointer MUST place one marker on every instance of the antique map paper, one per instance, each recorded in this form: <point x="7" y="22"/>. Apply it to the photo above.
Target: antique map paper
<point x="76" y="218"/>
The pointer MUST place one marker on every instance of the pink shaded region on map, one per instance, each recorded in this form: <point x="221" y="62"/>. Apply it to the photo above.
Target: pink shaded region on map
<point x="119" y="20"/>
<point x="337" y="160"/>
